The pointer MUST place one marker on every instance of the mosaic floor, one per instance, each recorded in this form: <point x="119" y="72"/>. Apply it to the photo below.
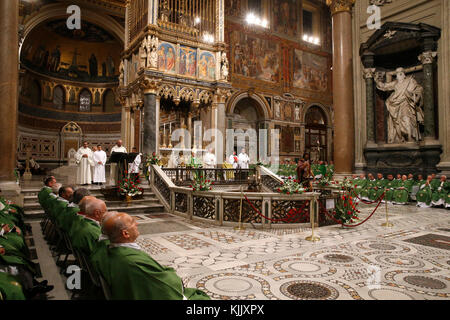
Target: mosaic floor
<point x="410" y="260"/>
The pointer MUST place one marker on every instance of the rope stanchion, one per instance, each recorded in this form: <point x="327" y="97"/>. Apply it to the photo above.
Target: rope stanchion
<point x="312" y="209"/>
<point x="358" y="224"/>
<point x="288" y="218"/>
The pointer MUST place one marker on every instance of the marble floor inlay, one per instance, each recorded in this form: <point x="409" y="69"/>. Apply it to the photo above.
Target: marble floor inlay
<point x="410" y="260"/>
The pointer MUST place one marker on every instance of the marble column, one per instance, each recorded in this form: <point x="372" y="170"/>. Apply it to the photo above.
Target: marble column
<point x="427" y="59"/>
<point x="9" y="76"/>
<point x="344" y="132"/>
<point x="151" y="123"/>
<point x="370" y="105"/>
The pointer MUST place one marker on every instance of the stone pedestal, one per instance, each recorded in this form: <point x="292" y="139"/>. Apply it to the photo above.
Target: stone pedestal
<point x="403" y="158"/>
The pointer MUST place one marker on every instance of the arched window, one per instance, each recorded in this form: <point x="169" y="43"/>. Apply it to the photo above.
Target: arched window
<point x="108" y="101"/>
<point x="59" y="98"/>
<point x="35" y="93"/>
<point x="85" y="100"/>
<point x="316" y="133"/>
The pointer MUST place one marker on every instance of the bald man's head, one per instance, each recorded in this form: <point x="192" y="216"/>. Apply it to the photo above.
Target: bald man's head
<point x="95" y="209"/>
<point x="83" y="203"/>
<point x="120" y="228"/>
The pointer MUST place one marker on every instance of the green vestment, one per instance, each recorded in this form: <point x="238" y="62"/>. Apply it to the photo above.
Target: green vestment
<point x="390" y="185"/>
<point x="84" y="236"/>
<point x="10" y="288"/>
<point x="133" y="275"/>
<point x="401" y="194"/>
<point x="424" y="195"/>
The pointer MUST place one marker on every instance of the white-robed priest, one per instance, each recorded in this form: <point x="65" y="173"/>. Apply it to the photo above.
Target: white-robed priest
<point x="84" y="162"/>
<point x="243" y="160"/>
<point x="209" y="160"/>
<point x="113" y="174"/>
<point x="99" y="165"/>
<point x="133" y="168"/>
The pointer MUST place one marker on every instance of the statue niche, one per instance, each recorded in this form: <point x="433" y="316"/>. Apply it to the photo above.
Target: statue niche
<point x="401" y="120"/>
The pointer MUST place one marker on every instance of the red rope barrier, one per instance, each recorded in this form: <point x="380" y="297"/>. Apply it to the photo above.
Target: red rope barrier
<point x="365" y="201"/>
<point x="289" y="216"/>
<point x="358" y="224"/>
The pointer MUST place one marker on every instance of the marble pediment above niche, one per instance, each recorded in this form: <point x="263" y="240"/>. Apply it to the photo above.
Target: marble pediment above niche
<point x="394" y="37"/>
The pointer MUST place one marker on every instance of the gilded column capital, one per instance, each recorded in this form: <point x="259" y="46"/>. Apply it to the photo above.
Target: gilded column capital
<point x="150" y="86"/>
<point x="337" y="6"/>
<point x="369" y="73"/>
<point x="221" y="95"/>
<point x="427" y="57"/>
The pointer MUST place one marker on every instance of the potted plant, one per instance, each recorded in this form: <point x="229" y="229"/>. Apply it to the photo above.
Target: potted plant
<point x="130" y="188"/>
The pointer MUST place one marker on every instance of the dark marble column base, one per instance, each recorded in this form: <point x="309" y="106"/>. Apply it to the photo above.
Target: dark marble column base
<point x="403" y="159"/>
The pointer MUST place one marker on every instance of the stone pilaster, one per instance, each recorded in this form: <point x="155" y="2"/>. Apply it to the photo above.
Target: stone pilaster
<point x="427" y="59"/>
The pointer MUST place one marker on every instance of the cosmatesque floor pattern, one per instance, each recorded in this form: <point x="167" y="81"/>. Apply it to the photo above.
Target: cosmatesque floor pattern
<point x="410" y="260"/>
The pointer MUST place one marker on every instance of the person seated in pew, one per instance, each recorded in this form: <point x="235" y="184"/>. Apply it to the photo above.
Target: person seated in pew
<point x="131" y="273"/>
<point x="401" y="193"/>
<point x="439" y="195"/>
<point x="424" y="195"/>
<point x="86" y="229"/>
<point x="45" y="192"/>
<point x="65" y="194"/>
<point x="17" y="263"/>
<point x="10" y="288"/>
<point x="14" y="213"/>
<point x="65" y="218"/>
<point x="390" y="186"/>
<point x="370" y="183"/>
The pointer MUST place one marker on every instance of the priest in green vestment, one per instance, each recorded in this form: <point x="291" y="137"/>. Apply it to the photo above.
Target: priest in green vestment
<point x="424" y="195"/>
<point x="401" y="193"/>
<point x="390" y="185"/>
<point x="65" y="218"/>
<point x="131" y="273"/>
<point x="360" y="184"/>
<point x="45" y="192"/>
<point x="85" y="229"/>
<point x="378" y="189"/>
<point x="370" y="183"/>
<point x="10" y="288"/>
<point x="439" y="194"/>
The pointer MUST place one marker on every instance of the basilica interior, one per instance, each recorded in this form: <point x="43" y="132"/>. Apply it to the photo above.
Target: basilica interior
<point x="359" y="85"/>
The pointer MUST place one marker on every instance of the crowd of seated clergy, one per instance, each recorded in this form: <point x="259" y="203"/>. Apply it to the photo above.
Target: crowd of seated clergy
<point x="432" y="192"/>
<point x="17" y="270"/>
<point x="108" y="242"/>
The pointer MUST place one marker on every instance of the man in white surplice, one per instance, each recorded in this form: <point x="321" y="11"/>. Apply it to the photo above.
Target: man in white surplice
<point x="113" y="178"/>
<point x="84" y="162"/>
<point x="99" y="165"/>
<point x="133" y="168"/>
<point x="243" y="160"/>
<point x="209" y="160"/>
